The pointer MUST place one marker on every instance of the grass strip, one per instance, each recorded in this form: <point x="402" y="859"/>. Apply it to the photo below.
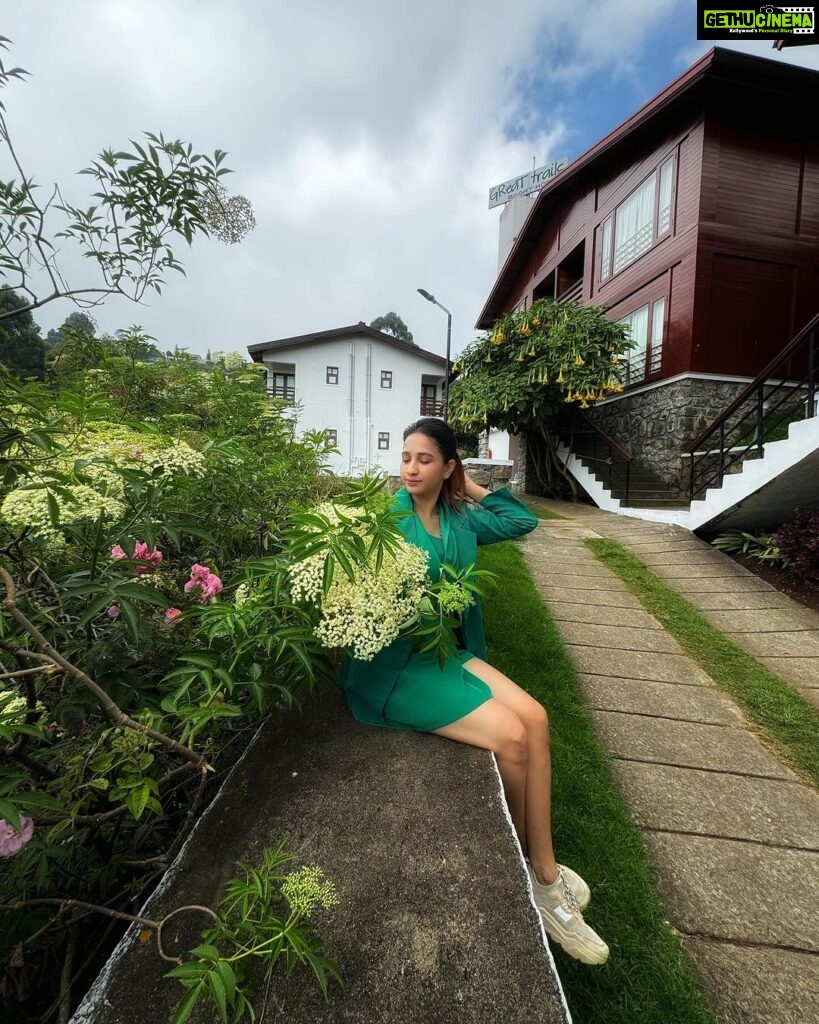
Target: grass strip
<point x="784" y="721"/>
<point x="647" y="977"/>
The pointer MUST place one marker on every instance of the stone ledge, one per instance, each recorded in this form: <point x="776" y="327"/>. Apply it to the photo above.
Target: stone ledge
<point x="435" y="920"/>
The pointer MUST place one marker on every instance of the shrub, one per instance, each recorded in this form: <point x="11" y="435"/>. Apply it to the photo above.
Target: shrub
<point x="798" y="542"/>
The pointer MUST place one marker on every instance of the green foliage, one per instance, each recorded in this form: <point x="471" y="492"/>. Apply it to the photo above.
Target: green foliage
<point x="391" y="323"/>
<point x="249" y="928"/>
<point x="22" y="350"/>
<point x="112" y="492"/>
<point x="759" y="544"/>
<point x="532" y="362"/>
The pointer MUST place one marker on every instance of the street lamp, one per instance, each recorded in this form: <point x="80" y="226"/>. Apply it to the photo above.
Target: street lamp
<point x="431" y="298"/>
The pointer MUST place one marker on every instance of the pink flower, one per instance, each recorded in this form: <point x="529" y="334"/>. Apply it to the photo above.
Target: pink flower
<point x="113" y="611"/>
<point x="118" y="552"/>
<point x="144" y="554"/>
<point x="204" y="580"/>
<point x="136" y="451"/>
<point x="12" y="842"/>
<point x="172" y="613"/>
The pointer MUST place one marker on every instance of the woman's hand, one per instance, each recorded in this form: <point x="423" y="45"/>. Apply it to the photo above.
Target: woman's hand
<point x="473" y="490"/>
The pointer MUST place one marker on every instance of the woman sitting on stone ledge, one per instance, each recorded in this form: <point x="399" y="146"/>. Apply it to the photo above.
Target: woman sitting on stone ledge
<point x="467" y="700"/>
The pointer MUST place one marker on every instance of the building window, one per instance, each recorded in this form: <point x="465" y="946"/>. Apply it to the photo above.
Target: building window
<point x="386" y="378"/>
<point x="332" y="375"/>
<point x="332" y="437"/>
<point x="639" y="222"/>
<point x="647" y="331"/>
<point x="284" y="386"/>
<point x="383" y="442"/>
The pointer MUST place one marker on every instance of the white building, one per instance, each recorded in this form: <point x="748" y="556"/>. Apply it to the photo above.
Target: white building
<point x="363" y="386"/>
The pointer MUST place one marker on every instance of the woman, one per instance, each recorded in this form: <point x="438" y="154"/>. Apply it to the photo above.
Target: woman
<point x="467" y="700"/>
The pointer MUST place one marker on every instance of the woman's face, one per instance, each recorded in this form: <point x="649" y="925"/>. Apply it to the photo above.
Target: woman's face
<point x="423" y="469"/>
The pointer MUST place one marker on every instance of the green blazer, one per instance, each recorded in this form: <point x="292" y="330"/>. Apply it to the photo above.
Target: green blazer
<point x="499" y="516"/>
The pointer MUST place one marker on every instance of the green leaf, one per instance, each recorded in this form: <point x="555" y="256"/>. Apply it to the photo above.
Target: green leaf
<point x="217" y="989"/>
<point x="137" y="800"/>
<point x="185" y="1008"/>
<point x="131" y="616"/>
<point x="35" y="799"/>
<point x="10" y="813"/>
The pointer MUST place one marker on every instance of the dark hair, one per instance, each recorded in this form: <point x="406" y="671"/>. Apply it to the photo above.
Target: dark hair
<point x="454" y="487"/>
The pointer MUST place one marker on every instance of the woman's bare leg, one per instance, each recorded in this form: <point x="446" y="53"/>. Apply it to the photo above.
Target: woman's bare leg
<point x="535" y="831"/>
<point x="497" y="728"/>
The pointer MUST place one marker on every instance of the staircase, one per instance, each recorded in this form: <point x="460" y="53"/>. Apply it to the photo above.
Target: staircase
<point x="751" y="467"/>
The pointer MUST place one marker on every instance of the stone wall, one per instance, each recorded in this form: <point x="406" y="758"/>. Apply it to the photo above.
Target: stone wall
<point x="657" y="425"/>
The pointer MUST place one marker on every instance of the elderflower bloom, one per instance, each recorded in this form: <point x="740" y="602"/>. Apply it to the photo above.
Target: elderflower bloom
<point x="306" y="888"/>
<point x="367" y="613"/>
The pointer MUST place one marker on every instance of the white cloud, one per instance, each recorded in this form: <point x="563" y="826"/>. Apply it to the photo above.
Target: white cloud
<point x="365" y="134"/>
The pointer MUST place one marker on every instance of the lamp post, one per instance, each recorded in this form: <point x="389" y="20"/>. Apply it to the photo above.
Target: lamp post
<point x="431" y="298"/>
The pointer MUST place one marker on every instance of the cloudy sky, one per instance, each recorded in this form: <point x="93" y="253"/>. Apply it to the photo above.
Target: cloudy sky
<point x="366" y="135"/>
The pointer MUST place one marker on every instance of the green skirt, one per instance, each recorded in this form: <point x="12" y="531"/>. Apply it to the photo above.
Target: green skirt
<point x="427" y="696"/>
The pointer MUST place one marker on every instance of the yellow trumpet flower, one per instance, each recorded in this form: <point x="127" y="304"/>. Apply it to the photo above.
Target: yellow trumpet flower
<point x="579" y="361"/>
<point x="560" y="378"/>
<point x="531" y="351"/>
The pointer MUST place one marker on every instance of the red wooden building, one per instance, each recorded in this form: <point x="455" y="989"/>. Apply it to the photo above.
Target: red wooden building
<point x="695" y="221"/>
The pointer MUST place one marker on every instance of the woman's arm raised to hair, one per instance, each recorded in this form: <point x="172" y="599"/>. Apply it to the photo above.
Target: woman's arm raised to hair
<point x="499" y="516"/>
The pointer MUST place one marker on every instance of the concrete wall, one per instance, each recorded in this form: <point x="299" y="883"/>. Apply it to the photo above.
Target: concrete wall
<point x="358" y="408"/>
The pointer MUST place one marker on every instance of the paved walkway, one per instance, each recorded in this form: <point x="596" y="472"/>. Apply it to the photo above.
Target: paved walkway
<point x="731" y="832"/>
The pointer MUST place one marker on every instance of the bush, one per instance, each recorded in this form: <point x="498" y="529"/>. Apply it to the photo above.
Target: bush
<point x="798" y="542"/>
<point x="133" y="510"/>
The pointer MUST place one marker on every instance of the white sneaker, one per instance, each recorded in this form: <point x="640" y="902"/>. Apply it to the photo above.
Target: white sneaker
<point x="582" y="893"/>
<point x="563" y="920"/>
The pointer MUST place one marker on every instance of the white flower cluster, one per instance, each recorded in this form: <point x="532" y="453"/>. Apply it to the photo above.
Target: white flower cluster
<point x="29" y="507"/>
<point x="365" y="614"/>
<point x="306" y="888"/>
<point x="102" y="448"/>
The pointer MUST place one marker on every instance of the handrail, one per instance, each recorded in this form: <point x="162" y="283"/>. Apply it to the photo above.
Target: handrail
<point x="760" y="378"/>
<point x="606" y="439"/>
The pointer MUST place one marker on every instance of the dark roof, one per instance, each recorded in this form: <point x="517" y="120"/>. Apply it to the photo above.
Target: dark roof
<point x="341" y="332"/>
<point x="717" y="64"/>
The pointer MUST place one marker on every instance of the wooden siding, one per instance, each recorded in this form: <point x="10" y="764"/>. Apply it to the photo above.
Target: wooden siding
<point x="740" y="266"/>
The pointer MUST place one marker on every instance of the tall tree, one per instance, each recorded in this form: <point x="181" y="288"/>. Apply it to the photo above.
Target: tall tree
<point x="146" y="200"/>
<point x="22" y="350"/>
<point x="74" y="323"/>
<point x="391" y="323"/>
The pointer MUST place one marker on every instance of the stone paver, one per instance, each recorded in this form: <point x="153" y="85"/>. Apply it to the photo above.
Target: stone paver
<point x="770" y="620"/>
<point x="731" y="832"/>
<point x="669" y="668"/>
<point x="797" y="671"/>
<point x="558" y="596"/>
<point x="623" y="638"/>
<point x="603" y="615"/>
<point x="663" y="741"/>
<point x="738" y="891"/>
<point x="710" y="803"/>
<point x="749" y="984"/>
<point x="667" y="700"/>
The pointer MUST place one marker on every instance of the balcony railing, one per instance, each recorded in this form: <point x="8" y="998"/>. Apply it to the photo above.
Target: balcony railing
<point x="286" y="394"/>
<point x="431" y="406"/>
<point x="574" y="293"/>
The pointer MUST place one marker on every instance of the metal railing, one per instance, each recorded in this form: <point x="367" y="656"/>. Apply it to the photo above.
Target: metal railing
<point x="588" y="442"/>
<point x="288" y="394"/>
<point x="431" y="406"/>
<point x="783" y="393"/>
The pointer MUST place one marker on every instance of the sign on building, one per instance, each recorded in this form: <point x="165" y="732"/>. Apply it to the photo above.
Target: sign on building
<point x="526" y="183"/>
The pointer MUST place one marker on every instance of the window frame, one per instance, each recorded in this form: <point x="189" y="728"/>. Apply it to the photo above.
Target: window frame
<point x="608" y="225"/>
<point x="332" y="371"/>
<point x="382" y="446"/>
<point x="386" y="376"/>
<point x="650" y="353"/>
